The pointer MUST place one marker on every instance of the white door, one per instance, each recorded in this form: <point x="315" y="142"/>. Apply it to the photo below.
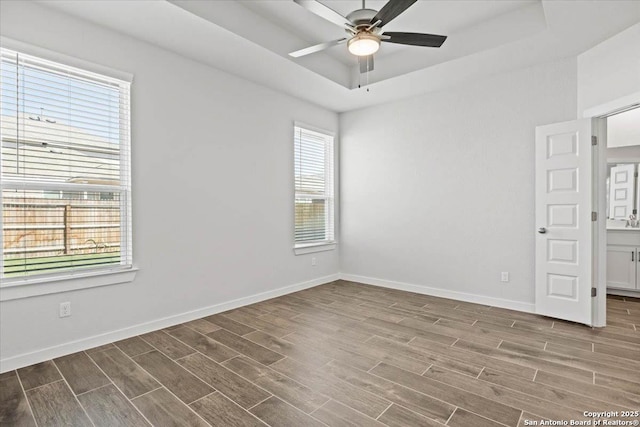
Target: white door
<point x="621" y="191"/>
<point x="621" y="267"/>
<point x="563" y="220"/>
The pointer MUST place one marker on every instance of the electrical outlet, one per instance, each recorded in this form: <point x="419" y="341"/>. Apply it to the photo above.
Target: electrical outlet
<point x="65" y="309"/>
<point x="504" y="276"/>
<point x="313" y="261"/>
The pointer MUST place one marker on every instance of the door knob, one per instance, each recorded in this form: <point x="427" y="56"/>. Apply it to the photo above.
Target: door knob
<point x="542" y="230"/>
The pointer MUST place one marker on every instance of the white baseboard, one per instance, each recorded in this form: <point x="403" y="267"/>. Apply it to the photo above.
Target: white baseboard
<point x="443" y="293"/>
<point x="623" y="293"/>
<point x="26" y="359"/>
<point x="38" y="356"/>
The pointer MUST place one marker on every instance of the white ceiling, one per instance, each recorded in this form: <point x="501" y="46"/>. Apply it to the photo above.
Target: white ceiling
<point x="283" y="26"/>
<point x="252" y="38"/>
<point x="439" y="17"/>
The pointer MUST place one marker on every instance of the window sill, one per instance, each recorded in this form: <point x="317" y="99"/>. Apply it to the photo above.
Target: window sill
<point x="14" y="289"/>
<point x="314" y="247"/>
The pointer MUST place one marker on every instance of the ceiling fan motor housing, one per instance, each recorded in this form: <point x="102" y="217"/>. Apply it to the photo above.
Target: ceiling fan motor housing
<point x="362" y="17"/>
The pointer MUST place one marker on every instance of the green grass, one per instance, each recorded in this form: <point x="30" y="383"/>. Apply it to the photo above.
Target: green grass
<point x="38" y="265"/>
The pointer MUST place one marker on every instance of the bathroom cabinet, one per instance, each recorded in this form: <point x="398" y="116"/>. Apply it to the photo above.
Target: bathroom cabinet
<point x="623" y="259"/>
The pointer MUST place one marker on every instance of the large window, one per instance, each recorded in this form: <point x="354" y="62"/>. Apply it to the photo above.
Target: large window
<point x="64" y="170"/>
<point x="314" y="202"/>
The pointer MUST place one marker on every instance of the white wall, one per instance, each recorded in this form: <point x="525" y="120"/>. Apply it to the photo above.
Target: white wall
<point x="212" y="191"/>
<point x="610" y="70"/>
<point x="623" y="129"/>
<point x="631" y="152"/>
<point x="438" y="190"/>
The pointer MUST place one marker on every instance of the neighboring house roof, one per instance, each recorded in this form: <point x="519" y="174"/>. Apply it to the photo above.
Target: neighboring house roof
<point x="40" y="149"/>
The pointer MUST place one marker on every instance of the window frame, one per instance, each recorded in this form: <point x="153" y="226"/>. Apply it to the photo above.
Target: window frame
<point x="301" y="248"/>
<point x="53" y="282"/>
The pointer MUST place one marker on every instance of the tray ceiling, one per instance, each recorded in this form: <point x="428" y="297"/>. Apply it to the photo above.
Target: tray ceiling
<point x="252" y="39"/>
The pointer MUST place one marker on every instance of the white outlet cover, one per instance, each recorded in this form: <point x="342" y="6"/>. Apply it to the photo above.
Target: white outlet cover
<point x="65" y="309"/>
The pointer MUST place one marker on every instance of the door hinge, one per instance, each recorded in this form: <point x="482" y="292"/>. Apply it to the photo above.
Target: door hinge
<point x="635" y="174"/>
<point x="594" y="292"/>
<point x="594" y="216"/>
<point x="594" y="140"/>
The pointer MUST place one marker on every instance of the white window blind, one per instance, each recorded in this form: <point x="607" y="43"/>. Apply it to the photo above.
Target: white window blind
<point x="65" y="168"/>
<point x="314" y="199"/>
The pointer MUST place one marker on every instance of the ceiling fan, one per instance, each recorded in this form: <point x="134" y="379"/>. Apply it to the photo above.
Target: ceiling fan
<point x="364" y="27"/>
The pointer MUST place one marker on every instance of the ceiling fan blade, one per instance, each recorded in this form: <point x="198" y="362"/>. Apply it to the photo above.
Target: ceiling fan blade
<point x="316" y="48"/>
<point x="366" y="63"/>
<point x="390" y="10"/>
<point x="415" y="39"/>
<point x="325" y="12"/>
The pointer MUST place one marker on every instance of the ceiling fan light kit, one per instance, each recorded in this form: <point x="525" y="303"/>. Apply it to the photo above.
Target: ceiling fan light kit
<point x="364" y="44"/>
<point x="364" y="27"/>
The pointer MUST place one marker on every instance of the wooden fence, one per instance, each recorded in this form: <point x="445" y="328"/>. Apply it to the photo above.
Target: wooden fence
<point x="40" y="227"/>
<point x="310" y="220"/>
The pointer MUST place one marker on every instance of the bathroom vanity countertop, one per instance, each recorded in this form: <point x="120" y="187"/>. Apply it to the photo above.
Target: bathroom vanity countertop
<point x="622" y="229"/>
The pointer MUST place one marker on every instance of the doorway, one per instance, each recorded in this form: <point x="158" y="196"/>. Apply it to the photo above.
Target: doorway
<point x="613" y="114"/>
<point x="573" y="207"/>
<point x="618" y="251"/>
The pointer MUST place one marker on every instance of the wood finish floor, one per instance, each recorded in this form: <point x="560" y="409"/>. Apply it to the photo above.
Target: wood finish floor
<point x="342" y="354"/>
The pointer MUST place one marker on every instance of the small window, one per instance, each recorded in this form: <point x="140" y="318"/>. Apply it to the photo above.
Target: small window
<point x="65" y="169"/>
<point x="314" y="187"/>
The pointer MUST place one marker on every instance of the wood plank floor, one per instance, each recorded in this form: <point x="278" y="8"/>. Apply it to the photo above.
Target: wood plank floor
<point x="342" y="354"/>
